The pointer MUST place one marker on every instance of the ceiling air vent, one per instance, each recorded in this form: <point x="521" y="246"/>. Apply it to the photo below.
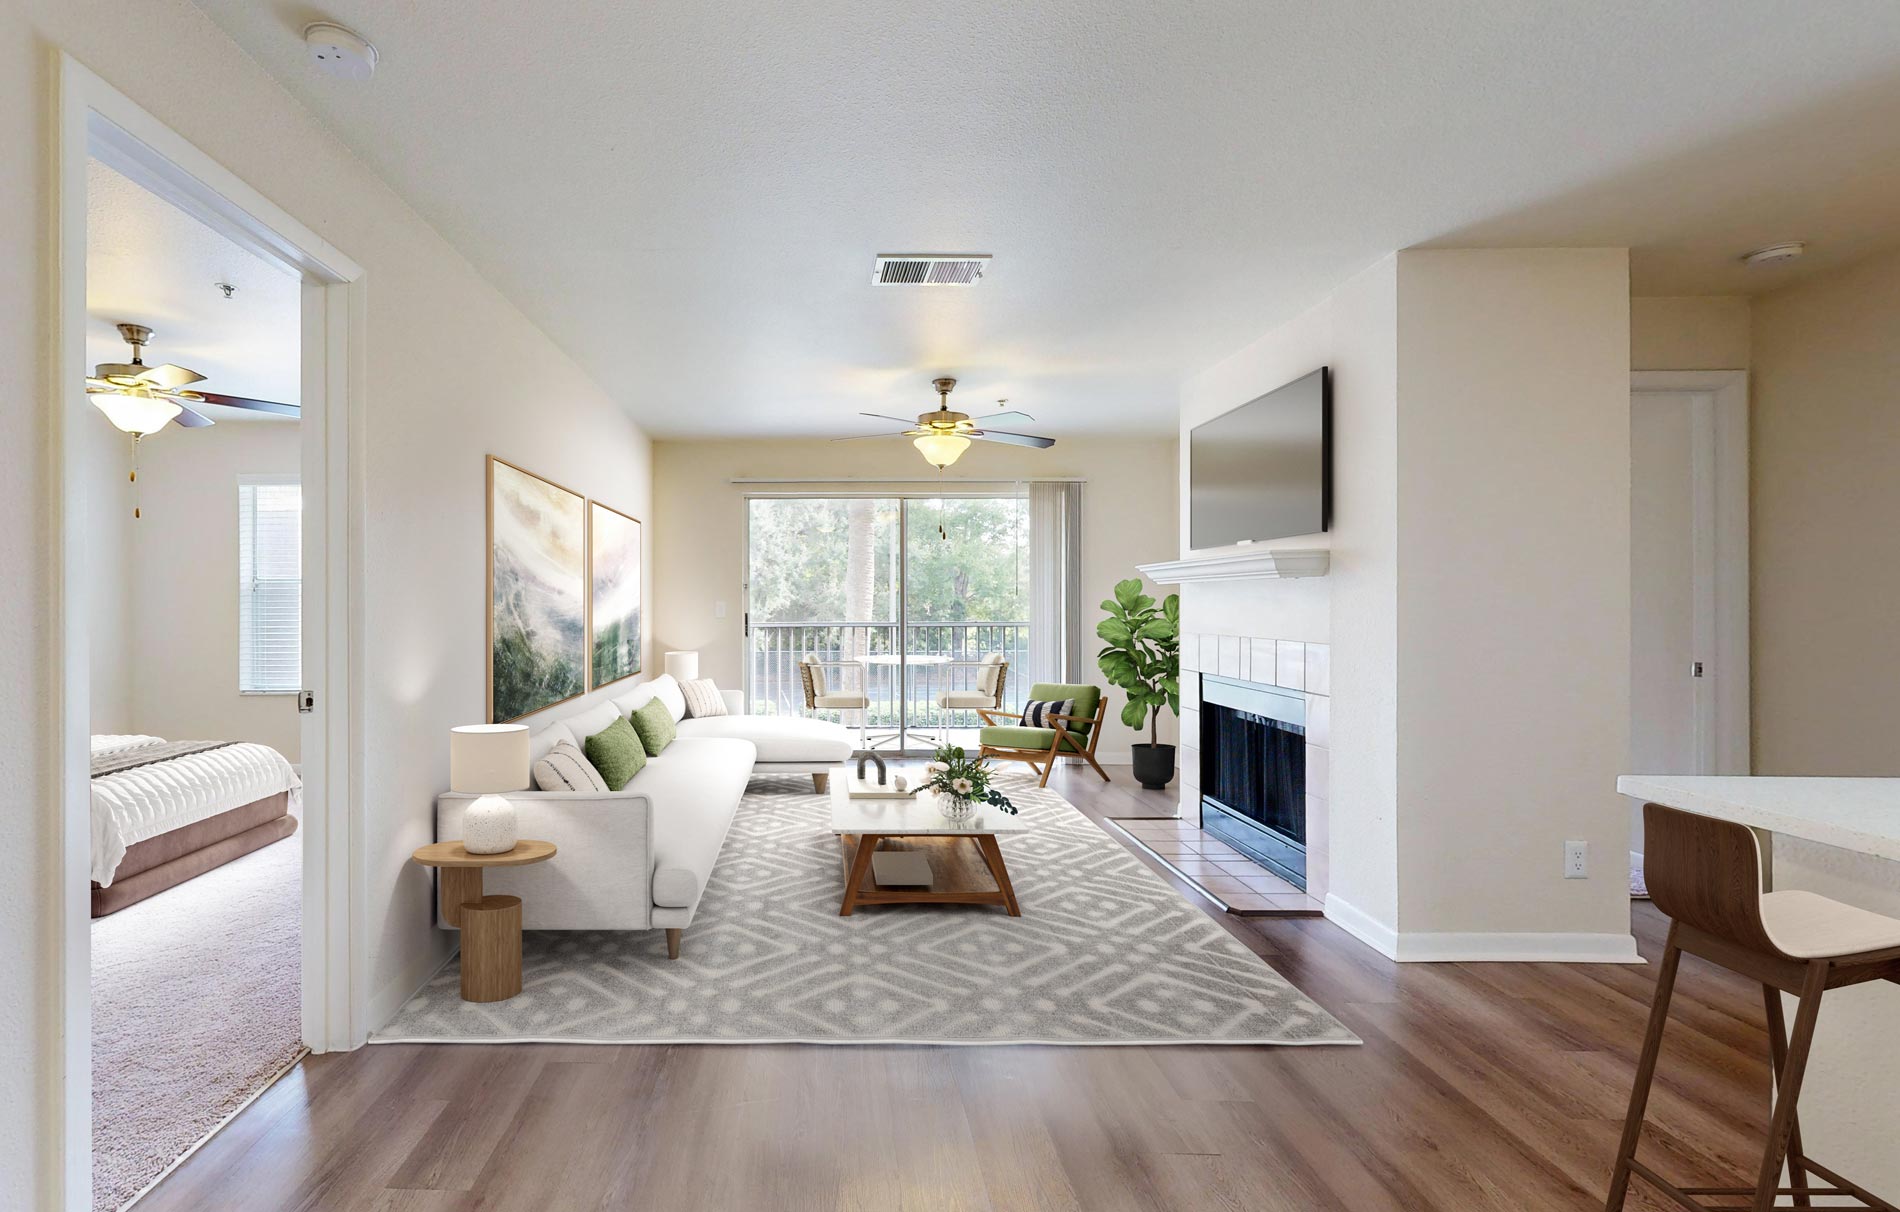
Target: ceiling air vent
<point x="929" y="269"/>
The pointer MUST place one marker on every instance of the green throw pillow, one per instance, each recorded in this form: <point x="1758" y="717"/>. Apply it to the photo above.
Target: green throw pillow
<point x="655" y="725"/>
<point x="615" y="752"/>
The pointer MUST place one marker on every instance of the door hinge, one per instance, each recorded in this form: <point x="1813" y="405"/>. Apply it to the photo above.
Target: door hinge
<point x="306" y="702"/>
<point x="1695" y="668"/>
<point x="748" y="624"/>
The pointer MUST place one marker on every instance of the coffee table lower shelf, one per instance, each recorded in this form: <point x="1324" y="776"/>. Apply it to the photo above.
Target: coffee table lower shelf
<point x="957" y="872"/>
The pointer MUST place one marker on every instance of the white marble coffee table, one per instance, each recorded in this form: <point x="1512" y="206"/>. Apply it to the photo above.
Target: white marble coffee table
<point x="916" y="823"/>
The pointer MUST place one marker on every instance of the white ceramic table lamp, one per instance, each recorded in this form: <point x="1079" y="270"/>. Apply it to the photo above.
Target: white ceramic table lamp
<point x="485" y="759"/>
<point x="682" y="666"/>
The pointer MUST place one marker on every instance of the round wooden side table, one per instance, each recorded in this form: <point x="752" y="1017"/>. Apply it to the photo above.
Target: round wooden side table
<point x="490" y="925"/>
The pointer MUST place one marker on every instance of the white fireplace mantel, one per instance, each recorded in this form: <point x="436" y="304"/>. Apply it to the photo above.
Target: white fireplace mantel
<point x="1265" y="564"/>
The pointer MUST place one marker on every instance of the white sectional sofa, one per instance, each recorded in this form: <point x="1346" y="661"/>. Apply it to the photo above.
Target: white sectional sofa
<point x="639" y="858"/>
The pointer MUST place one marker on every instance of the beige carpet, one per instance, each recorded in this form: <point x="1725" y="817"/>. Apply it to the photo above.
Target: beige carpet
<point x="195" y="1007"/>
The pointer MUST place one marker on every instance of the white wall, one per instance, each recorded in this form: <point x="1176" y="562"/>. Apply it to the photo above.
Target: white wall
<point x="1128" y="518"/>
<point x="1689" y="332"/>
<point x="1354" y="332"/>
<point x="424" y="436"/>
<point x="103" y="458"/>
<point x="1514" y="588"/>
<point x="1825" y="562"/>
<point x="183" y="663"/>
<point x="1477" y="609"/>
<point x="1825" y="543"/>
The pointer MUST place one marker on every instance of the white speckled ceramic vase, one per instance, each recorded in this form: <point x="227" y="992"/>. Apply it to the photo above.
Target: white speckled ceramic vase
<point x="488" y="827"/>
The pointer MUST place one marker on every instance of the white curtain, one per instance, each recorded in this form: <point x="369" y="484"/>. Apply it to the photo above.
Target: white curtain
<point x="1055" y="582"/>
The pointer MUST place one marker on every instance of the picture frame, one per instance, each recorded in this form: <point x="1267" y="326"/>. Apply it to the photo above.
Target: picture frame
<point x="615" y="648"/>
<point x="537" y="593"/>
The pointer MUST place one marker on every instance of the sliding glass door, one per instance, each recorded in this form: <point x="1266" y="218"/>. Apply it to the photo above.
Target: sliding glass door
<point x="902" y="599"/>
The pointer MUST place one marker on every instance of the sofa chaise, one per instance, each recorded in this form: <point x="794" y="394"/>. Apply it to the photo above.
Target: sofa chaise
<point x="639" y="858"/>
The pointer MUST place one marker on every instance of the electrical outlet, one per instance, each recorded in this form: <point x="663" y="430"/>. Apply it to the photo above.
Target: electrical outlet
<point x="1576" y="860"/>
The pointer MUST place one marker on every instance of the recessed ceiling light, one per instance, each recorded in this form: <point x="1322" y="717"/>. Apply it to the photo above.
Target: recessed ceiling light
<point x="339" y="52"/>
<point x="1774" y="254"/>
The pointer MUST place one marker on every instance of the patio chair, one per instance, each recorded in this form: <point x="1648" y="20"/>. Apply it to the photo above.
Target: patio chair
<point x="1074" y="735"/>
<point x="822" y="695"/>
<point x="991" y="674"/>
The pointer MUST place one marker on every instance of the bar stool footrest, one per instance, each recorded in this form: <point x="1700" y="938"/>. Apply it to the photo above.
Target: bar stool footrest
<point x="1838" y="1188"/>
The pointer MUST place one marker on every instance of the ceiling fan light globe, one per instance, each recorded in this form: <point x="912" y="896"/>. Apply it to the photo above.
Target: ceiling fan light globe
<point x="140" y="414"/>
<point x="941" y="449"/>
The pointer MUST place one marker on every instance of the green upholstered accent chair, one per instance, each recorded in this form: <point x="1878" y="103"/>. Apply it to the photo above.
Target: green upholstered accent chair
<point x="1071" y="736"/>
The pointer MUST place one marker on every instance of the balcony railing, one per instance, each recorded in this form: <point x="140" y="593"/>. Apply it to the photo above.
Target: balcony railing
<point x="901" y="696"/>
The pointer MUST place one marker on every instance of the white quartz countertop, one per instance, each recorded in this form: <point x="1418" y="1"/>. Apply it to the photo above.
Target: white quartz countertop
<point x="1854" y="814"/>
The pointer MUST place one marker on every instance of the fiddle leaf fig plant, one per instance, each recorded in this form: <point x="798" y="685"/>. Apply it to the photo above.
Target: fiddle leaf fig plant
<point x="1142" y="653"/>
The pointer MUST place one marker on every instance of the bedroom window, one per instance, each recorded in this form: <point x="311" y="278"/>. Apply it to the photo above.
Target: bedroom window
<point x="270" y="585"/>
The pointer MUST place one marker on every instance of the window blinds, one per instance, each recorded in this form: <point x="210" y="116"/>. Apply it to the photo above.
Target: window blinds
<point x="1055" y="583"/>
<point x="270" y="587"/>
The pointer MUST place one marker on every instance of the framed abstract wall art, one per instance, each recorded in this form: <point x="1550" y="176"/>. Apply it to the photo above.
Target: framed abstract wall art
<point x="537" y="593"/>
<point x="614" y="582"/>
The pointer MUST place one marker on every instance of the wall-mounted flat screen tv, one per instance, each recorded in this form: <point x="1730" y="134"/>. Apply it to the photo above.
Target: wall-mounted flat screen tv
<point x="1264" y="470"/>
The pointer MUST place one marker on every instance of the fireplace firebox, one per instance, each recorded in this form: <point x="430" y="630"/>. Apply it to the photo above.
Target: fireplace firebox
<point x="1253" y="773"/>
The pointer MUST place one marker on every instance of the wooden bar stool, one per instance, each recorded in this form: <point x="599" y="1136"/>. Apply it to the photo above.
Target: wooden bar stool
<point x="1706" y="875"/>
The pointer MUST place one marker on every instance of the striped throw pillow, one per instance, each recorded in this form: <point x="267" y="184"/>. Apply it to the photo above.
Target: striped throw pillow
<point x="566" y="768"/>
<point x="1036" y="713"/>
<point x="703" y="698"/>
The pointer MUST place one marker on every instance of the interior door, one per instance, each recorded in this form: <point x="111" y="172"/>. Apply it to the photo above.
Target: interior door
<point x="1672" y="564"/>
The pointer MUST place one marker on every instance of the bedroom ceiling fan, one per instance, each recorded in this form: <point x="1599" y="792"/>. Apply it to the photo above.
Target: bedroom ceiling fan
<point x="942" y="436"/>
<point x="141" y="400"/>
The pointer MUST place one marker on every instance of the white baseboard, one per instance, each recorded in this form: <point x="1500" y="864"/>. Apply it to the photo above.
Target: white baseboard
<point x="396" y="993"/>
<point x="1362" y="926"/>
<point x="1422" y="947"/>
<point x="1524" y="948"/>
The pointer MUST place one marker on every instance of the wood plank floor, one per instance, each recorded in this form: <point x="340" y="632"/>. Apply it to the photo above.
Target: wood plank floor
<point x="1480" y="1087"/>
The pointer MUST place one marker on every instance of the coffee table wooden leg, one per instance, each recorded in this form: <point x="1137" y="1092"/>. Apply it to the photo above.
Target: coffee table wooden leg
<point x="459" y="886"/>
<point x="993" y="856"/>
<point x="860" y="864"/>
<point x="491" y="949"/>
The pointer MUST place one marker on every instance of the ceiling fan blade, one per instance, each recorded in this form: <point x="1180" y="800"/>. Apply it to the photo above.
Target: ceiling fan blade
<point x="282" y="410"/>
<point x="170" y="376"/>
<point x="190" y="418"/>
<point x="859" y="437"/>
<point x="1011" y="415"/>
<point x="1012" y="439"/>
<point x="887" y="417"/>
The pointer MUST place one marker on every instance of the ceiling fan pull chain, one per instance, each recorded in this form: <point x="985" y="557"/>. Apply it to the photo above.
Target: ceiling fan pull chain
<point x="134" y="477"/>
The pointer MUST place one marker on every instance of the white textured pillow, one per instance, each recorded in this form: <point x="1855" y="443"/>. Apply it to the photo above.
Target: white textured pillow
<point x="703" y="698"/>
<point x="566" y="768"/>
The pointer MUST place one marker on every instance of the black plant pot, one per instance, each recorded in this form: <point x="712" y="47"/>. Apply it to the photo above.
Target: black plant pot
<point x="1154" y="765"/>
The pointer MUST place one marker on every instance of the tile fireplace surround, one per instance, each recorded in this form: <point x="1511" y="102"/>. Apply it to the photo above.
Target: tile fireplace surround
<point x="1291" y="665"/>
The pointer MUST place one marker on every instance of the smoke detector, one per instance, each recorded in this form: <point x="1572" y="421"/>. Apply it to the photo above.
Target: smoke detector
<point x="339" y="52"/>
<point x="1774" y="254"/>
<point x="929" y="269"/>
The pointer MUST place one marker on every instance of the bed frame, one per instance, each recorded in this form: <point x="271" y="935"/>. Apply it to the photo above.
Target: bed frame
<point x="169" y="859"/>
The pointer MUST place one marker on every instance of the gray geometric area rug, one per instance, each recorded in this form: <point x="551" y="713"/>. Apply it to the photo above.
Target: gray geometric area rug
<point x="1104" y="953"/>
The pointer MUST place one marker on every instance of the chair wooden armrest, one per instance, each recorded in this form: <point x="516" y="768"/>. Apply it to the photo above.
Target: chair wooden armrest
<point x="989" y="715"/>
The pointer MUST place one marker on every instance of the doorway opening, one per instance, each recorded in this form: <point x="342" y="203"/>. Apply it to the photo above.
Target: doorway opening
<point x="192" y="475"/>
<point x="222" y="638"/>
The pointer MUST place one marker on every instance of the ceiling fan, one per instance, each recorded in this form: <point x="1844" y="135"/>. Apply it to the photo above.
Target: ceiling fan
<point x="141" y="400"/>
<point x="942" y="436"/>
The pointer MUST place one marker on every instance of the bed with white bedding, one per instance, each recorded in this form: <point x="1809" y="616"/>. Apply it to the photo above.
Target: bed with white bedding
<point x="163" y="812"/>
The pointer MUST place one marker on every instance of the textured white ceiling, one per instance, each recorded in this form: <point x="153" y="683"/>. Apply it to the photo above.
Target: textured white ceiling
<point x="687" y="195"/>
<point x="147" y="262"/>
